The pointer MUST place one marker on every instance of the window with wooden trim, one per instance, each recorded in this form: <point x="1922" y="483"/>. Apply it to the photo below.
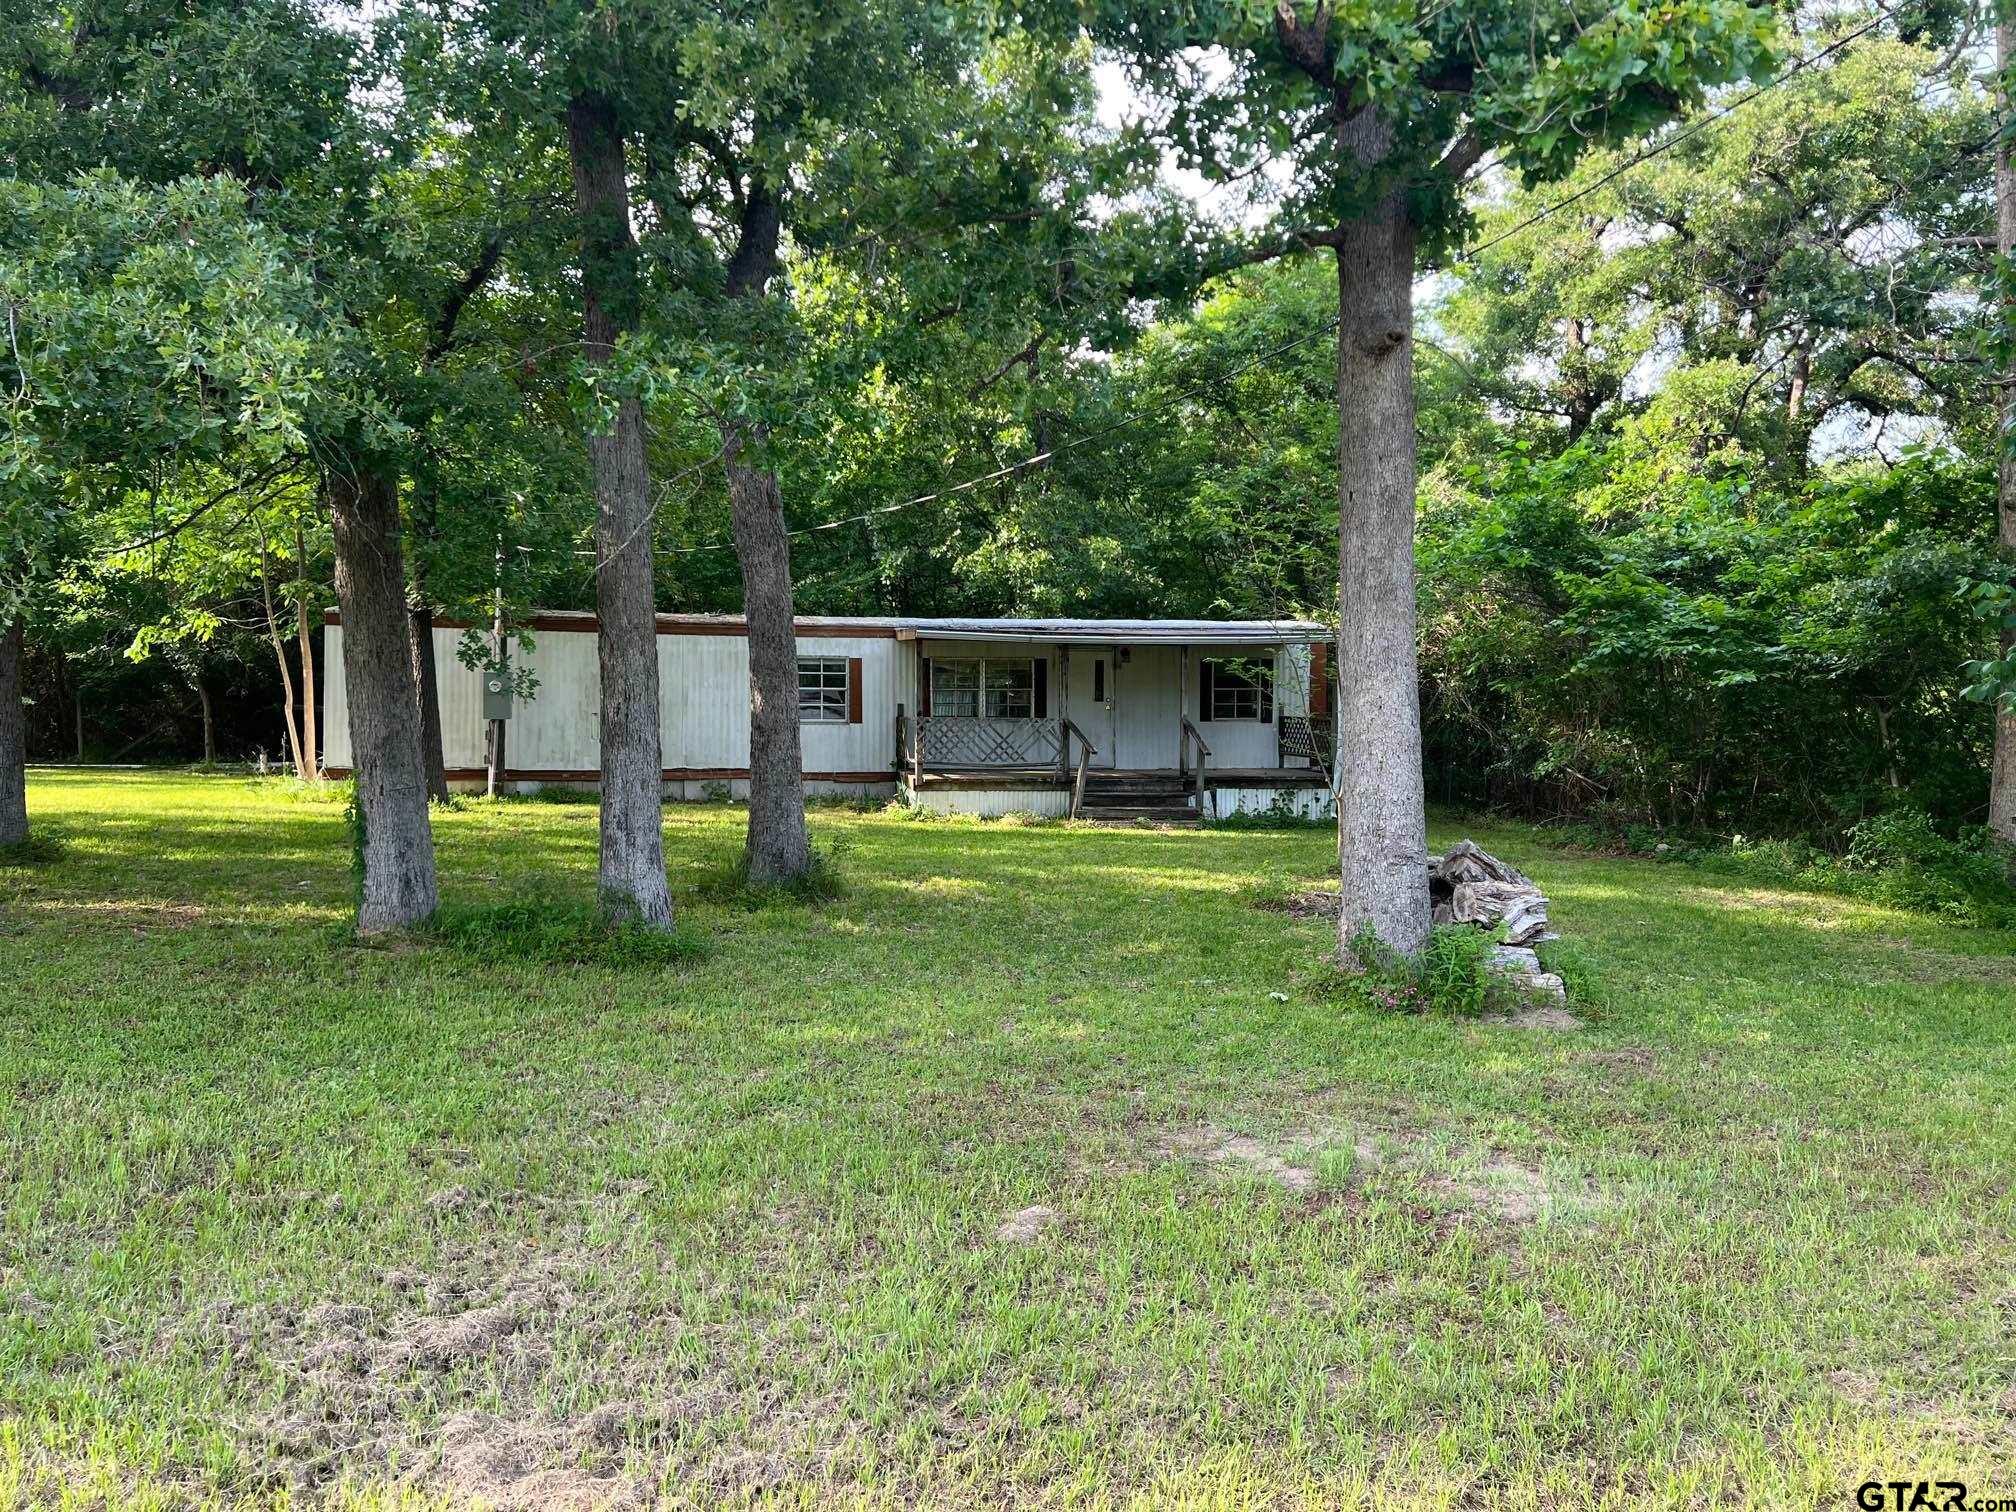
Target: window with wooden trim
<point x="1238" y="688"/>
<point x="955" y="689"/>
<point x="823" y="685"/>
<point x="1010" y="688"/>
<point x="999" y="687"/>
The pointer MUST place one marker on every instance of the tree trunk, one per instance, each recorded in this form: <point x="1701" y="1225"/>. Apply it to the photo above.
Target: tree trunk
<point x="2002" y="769"/>
<point x="1382" y="828"/>
<point x="427" y="699"/>
<point x="13" y="741"/>
<point x="632" y="874"/>
<point x="778" y="847"/>
<point x="397" y="889"/>
<point x="311" y="746"/>
<point x="67" y="697"/>
<point x="280" y="656"/>
<point x="209" y="720"/>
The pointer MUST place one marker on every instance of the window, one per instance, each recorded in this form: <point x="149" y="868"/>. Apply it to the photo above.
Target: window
<point x="955" y="689"/>
<point x="1000" y="689"/>
<point x="1010" y="689"/>
<point x="1239" y="689"/>
<point x="822" y="689"/>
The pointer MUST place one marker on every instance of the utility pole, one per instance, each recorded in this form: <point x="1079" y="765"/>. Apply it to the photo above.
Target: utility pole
<point x="494" y="745"/>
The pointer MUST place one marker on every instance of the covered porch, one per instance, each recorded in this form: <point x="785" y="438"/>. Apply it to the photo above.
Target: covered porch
<point x="1163" y="720"/>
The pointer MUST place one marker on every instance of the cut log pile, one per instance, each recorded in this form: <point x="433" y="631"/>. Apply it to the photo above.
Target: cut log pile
<point x="1471" y="886"/>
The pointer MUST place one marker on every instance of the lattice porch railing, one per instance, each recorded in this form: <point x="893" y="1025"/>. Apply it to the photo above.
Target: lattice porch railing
<point x="947" y="741"/>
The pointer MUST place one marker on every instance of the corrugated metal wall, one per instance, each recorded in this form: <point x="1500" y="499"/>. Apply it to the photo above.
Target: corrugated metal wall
<point x="335" y="717"/>
<point x="703" y="704"/>
<point x="994" y="803"/>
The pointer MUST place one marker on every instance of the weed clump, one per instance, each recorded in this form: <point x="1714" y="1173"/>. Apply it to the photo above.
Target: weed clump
<point x="559" y="933"/>
<point x="822" y="881"/>
<point x="1452" y="976"/>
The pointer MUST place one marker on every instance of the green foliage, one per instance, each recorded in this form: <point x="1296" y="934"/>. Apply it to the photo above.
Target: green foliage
<point x="1702" y="647"/>
<point x="1534" y="84"/>
<point x="1587" y="985"/>
<point x="1898" y="857"/>
<point x="558" y="932"/>
<point x="1759" y="240"/>
<point x="1992" y="679"/>
<point x="151" y="331"/>
<point x="822" y="881"/>
<point x="1451" y="976"/>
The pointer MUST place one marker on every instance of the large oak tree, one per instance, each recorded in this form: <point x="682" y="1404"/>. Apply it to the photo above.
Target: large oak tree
<point x="1367" y="120"/>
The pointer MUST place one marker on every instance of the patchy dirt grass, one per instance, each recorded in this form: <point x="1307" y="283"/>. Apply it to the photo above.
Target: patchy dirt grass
<point x="284" y="1219"/>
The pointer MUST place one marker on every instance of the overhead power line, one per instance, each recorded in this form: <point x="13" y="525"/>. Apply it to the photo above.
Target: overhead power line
<point x="1326" y="327"/>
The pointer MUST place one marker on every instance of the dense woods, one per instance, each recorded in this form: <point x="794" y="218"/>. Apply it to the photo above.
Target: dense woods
<point x="1673" y="348"/>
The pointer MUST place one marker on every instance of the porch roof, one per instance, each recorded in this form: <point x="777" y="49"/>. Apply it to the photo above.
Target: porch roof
<point x="1103" y="632"/>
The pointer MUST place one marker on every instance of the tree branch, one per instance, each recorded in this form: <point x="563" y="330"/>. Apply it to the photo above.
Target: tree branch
<point x="462" y="293"/>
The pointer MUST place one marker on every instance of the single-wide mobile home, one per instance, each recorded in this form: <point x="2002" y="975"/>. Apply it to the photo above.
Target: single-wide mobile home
<point x="1156" y="719"/>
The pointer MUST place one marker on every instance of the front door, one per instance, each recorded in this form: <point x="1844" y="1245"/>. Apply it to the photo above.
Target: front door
<point x="1150" y="724"/>
<point x="1091" y="705"/>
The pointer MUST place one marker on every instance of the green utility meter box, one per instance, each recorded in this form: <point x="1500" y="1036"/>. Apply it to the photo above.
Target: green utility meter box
<point x="497" y="692"/>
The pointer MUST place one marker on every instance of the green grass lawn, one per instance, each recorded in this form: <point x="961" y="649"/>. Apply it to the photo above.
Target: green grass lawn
<point x="289" y="1217"/>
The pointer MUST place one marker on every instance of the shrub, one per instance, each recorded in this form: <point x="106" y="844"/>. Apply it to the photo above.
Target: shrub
<point x="558" y="932"/>
<point x="1578" y="972"/>
<point x="1279" y="815"/>
<point x="1897" y="858"/>
<point x="1452" y="975"/>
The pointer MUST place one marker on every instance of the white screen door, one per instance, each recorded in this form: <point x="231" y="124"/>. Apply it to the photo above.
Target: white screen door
<point x="1091" y="706"/>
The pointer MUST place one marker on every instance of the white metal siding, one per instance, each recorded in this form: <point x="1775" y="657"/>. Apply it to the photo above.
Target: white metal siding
<point x="461" y="701"/>
<point x="703" y="701"/>
<point x="993" y="803"/>
<point x="1303" y="803"/>
<point x="557" y="729"/>
<point x="335" y="714"/>
<point x="1248" y="742"/>
<point x="703" y="704"/>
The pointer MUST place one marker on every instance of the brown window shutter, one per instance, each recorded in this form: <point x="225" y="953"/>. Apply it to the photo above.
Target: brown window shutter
<point x="1207" y="678"/>
<point x="1319" y="680"/>
<point x="1039" y="682"/>
<point x="853" y="690"/>
<point x="923" y="685"/>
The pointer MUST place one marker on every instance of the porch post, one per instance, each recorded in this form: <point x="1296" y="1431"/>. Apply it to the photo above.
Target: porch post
<point x="1063" y="711"/>
<point x="923" y="703"/>
<point x="1182" y="709"/>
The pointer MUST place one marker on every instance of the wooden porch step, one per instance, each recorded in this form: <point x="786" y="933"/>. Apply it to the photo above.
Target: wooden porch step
<point x="1136" y="782"/>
